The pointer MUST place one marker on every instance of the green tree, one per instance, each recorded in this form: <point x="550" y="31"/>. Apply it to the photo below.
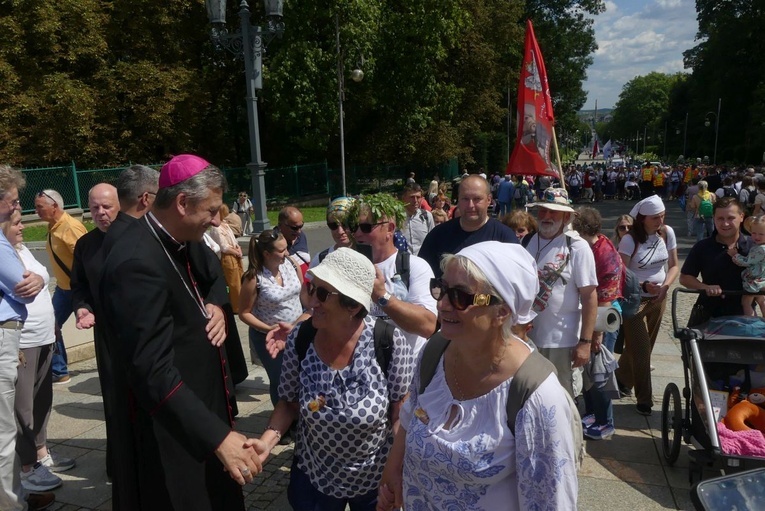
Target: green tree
<point x="643" y="103"/>
<point x="728" y="63"/>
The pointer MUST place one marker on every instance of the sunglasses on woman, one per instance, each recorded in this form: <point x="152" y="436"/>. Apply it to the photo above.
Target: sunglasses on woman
<point x="333" y="226"/>
<point x="321" y="293"/>
<point x="624" y="227"/>
<point x="460" y="299"/>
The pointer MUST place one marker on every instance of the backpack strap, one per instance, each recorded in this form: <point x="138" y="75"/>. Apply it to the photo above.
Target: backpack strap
<point x="431" y="356"/>
<point x="534" y="370"/>
<point x="383" y="340"/>
<point x="402" y="266"/>
<point x="323" y="254"/>
<point x="304" y="338"/>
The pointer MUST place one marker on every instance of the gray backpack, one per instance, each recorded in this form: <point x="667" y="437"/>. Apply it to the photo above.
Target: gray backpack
<point x="534" y="370"/>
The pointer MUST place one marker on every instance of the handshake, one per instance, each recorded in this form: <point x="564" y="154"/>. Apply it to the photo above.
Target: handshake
<point x="243" y="457"/>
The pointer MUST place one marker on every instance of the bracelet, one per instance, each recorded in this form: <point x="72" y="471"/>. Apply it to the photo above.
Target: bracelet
<point x="276" y="432"/>
<point x="585" y="341"/>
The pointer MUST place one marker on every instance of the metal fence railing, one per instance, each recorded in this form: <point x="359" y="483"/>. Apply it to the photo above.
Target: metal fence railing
<point x="283" y="184"/>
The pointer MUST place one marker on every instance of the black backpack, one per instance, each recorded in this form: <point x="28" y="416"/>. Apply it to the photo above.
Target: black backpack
<point x="729" y="191"/>
<point x="402" y="264"/>
<point x="383" y="340"/>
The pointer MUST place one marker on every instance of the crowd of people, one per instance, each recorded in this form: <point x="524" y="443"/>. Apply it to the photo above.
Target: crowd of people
<point x="431" y="357"/>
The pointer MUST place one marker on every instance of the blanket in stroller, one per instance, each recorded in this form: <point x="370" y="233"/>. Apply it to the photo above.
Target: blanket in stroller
<point x="734" y="327"/>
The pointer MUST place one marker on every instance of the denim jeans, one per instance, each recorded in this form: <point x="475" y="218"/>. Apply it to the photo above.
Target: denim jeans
<point x="62" y="309"/>
<point x="303" y="496"/>
<point x="595" y="402"/>
<point x="704" y="227"/>
<point x="273" y="366"/>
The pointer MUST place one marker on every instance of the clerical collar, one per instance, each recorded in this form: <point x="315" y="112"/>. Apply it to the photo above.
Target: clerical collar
<point x="177" y="244"/>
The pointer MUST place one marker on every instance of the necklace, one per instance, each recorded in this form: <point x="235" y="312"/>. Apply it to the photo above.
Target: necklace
<point x="539" y="249"/>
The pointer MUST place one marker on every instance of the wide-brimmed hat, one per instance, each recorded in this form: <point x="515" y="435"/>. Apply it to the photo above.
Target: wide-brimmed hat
<point x="555" y="199"/>
<point x="350" y="272"/>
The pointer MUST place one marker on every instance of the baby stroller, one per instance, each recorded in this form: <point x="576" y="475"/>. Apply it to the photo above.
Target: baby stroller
<point x="717" y="358"/>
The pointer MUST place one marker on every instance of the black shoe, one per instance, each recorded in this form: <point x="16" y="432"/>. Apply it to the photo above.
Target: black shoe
<point x="38" y="501"/>
<point x="643" y="409"/>
<point x="623" y="390"/>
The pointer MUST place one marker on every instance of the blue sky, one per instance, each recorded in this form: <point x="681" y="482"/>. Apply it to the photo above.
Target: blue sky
<point x="634" y="38"/>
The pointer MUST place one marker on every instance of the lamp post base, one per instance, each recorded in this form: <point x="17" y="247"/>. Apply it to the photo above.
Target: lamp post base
<point x="258" y="176"/>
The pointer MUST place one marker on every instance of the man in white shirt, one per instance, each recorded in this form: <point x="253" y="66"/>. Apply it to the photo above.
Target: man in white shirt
<point x="401" y="290"/>
<point x="567" y="302"/>
<point x="419" y="222"/>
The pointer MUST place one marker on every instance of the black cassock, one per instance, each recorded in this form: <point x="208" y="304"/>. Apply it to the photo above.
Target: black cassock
<point x="171" y="388"/>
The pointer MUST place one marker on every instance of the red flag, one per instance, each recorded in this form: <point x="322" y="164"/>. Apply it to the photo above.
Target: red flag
<point x="531" y="154"/>
<point x="595" y="149"/>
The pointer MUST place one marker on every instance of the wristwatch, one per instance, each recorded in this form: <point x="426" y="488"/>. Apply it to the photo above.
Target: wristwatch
<point x="585" y="341"/>
<point x="384" y="299"/>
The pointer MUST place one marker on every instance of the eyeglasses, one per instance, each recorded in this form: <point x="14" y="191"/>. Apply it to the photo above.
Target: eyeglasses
<point x="13" y="203"/>
<point x="367" y="228"/>
<point x="322" y="293"/>
<point x="147" y="192"/>
<point x="624" y="227"/>
<point x="460" y="299"/>
<point x="295" y="228"/>
<point x="43" y="194"/>
<point x="333" y="226"/>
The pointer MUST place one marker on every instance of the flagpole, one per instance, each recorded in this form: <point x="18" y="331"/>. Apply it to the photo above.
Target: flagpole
<point x="557" y="157"/>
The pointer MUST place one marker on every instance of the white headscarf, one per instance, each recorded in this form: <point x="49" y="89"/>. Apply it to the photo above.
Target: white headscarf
<point x="652" y="205"/>
<point x="512" y="271"/>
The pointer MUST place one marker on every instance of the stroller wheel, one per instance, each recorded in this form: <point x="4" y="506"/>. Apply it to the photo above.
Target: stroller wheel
<point x="671" y="423"/>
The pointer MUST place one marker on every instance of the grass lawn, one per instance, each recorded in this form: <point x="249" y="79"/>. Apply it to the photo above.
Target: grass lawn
<point x="317" y="214"/>
<point x="314" y="214"/>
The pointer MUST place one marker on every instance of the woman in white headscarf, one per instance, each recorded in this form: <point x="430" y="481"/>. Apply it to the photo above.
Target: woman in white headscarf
<point x="455" y="448"/>
<point x="650" y="251"/>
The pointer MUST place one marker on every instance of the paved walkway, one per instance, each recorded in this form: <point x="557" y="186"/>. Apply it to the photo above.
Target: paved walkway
<point x="626" y="472"/>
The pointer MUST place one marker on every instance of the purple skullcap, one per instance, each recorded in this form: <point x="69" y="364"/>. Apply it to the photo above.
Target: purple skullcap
<point x="180" y="168"/>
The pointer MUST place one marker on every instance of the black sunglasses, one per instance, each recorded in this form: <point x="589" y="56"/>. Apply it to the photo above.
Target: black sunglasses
<point x="322" y="293"/>
<point x="43" y="194"/>
<point x="367" y="228"/>
<point x="624" y="227"/>
<point x="295" y="227"/>
<point x="460" y="299"/>
<point x="333" y="226"/>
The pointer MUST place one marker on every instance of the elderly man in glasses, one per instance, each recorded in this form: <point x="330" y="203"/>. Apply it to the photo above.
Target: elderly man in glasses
<point x="401" y="290"/>
<point x="63" y="233"/>
<point x="18" y="287"/>
<point x="567" y="302"/>
<point x="291" y="226"/>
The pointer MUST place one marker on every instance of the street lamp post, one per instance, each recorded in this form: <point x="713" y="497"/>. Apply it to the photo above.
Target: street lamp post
<point x="717" y="127"/>
<point x="356" y="75"/>
<point x="250" y="43"/>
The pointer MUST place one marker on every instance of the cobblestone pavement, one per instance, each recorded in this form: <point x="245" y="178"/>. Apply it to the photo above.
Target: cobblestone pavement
<point x="624" y="473"/>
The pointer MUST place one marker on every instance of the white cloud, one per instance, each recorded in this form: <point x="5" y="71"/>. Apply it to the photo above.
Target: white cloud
<point x="635" y="38"/>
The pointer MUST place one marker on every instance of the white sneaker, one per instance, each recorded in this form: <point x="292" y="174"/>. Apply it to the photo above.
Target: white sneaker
<point x="57" y="463"/>
<point x="39" y="479"/>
